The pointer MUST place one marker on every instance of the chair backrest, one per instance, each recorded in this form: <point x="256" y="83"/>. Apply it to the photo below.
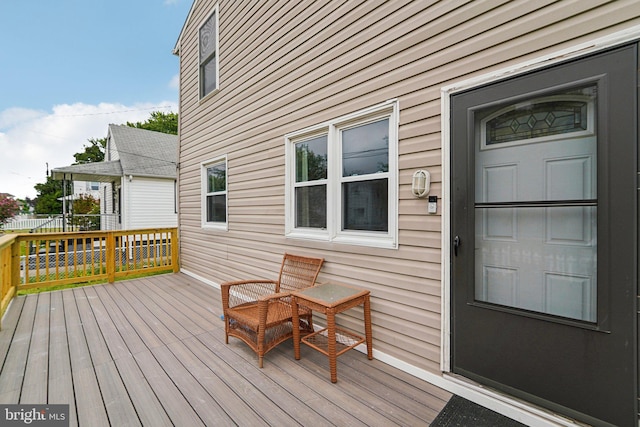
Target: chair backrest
<point x="298" y="272"/>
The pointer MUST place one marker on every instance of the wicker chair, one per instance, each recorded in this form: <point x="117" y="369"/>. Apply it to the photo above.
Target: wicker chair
<point x="259" y="311"/>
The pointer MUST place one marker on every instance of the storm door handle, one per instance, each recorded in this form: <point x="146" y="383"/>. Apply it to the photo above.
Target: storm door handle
<point x="456" y="244"/>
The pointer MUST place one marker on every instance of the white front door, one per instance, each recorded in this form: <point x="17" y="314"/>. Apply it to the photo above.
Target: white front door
<point x="535" y="238"/>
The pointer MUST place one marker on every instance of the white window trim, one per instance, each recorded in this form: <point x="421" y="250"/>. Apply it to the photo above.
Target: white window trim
<point x="201" y="95"/>
<point x="333" y="233"/>
<point x="203" y="192"/>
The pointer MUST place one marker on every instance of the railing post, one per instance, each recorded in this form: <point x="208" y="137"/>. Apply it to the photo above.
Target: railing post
<point x="174" y="250"/>
<point x="9" y="274"/>
<point x="111" y="257"/>
<point x="15" y="265"/>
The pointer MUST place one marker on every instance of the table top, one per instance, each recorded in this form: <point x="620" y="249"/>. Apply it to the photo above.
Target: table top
<point x="330" y="294"/>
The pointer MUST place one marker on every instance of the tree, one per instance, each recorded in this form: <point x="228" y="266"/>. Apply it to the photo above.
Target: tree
<point x="49" y="193"/>
<point x="26" y="205"/>
<point x="8" y="208"/>
<point x="159" y="122"/>
<point x="85" y="204"/>
<point x="93" y="152"/>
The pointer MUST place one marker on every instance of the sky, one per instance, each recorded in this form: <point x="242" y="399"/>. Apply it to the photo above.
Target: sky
<point x="69" y="68"/>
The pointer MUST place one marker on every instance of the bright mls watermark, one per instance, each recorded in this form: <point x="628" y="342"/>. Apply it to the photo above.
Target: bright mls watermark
<point x="34" y="415"/>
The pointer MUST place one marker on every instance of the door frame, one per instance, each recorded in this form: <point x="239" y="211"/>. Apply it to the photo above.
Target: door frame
<point x="494" y="400"/>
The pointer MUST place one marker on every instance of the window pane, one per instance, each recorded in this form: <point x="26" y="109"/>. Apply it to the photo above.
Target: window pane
<point x="538" y="259"/>
<point x="217" y="208"/>
<point x="364" y="205"/>
<point x="538" y="119"/>
<point x="208" y="75"/>
<point x="208" y="37"/>
<point x="216" y="178"/>
<point x="311" y="206"/>
<point x="311" y="159"/>
<point x="365" y="149"/>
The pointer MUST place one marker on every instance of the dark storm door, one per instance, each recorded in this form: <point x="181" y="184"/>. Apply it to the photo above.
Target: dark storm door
<point x="544" y="228"/>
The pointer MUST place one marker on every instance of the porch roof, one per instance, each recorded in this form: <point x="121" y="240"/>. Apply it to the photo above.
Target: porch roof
<point x="94" y="172"/>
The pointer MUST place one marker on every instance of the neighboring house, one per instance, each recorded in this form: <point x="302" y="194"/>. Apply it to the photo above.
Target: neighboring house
<point x="303" y="124"/>
<point x="82" y="189"/>
<point x="137" y="176"/>
<point x="86" y="188"/>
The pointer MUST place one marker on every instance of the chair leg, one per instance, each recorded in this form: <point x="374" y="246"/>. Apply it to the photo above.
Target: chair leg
<point x="260" y="337"/>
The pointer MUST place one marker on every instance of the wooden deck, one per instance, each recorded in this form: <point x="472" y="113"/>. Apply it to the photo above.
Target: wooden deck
<point x="151" y="352"/>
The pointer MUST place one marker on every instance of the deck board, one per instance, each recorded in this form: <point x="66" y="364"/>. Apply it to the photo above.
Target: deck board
<point x="151" y="352"/>
<point x="163" y="303"/>
<point x="149" y="409"/>
<point x="60" y="382"/>
<point x="208" y="410"/>
<point x="134" y="342"/>
<point x="267" y="382"/>
<point x="156" y="325"/>
<point x="118" y="405"/>
<point x="130" y="316"/>
<point x="174" y="403"/>
<point x="88" y="400"/>
<point x="34" y="385"/>
<point x="13" y="369"/>
<point x="9" y="324"/>
<point x="233" y="392"/>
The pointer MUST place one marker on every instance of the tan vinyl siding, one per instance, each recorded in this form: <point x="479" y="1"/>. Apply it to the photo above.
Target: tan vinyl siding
<point x="285" y="66"/>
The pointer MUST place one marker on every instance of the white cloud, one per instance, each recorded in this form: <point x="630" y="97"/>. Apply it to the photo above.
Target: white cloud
<point x="30" y="139"/>
<point x="14" y="116"/>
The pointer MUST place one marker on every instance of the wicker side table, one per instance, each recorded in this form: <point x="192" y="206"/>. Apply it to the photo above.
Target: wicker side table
<point x="332" y="299"/>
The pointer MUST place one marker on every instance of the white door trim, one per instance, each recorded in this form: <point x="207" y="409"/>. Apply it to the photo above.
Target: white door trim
<point x="492" y="400"/>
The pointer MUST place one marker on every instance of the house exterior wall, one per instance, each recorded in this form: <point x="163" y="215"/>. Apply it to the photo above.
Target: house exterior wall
<point x="288" y="67"/>
<point x="148" y="202"/>
<point x="111" y="151"/>
<point x="86" y="188"/>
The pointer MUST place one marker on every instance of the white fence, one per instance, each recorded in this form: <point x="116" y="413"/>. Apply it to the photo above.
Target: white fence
<point x="21" y="223"/>
<point x="50" y="224"/>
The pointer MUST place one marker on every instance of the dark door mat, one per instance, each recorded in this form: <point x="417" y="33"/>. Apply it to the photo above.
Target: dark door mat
<point x="460" y="412"/>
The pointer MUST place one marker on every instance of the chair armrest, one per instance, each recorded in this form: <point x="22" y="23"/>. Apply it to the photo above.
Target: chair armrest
<point x="275" y="296"/>
<point x="243" y="291"/>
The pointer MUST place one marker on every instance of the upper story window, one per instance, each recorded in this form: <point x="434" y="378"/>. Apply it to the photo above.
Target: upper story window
<point x="342" y="179"/>
<point x="208" y="54"/>
<point x="214" y="193"/>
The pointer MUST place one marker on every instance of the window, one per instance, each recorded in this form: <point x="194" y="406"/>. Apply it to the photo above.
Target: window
<point x="208" y="59"/>
<point x="342" y="179"/>
<point x="214" y="193"/>
<point x="548" y="118"/>
<point x="311" y="183"/>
